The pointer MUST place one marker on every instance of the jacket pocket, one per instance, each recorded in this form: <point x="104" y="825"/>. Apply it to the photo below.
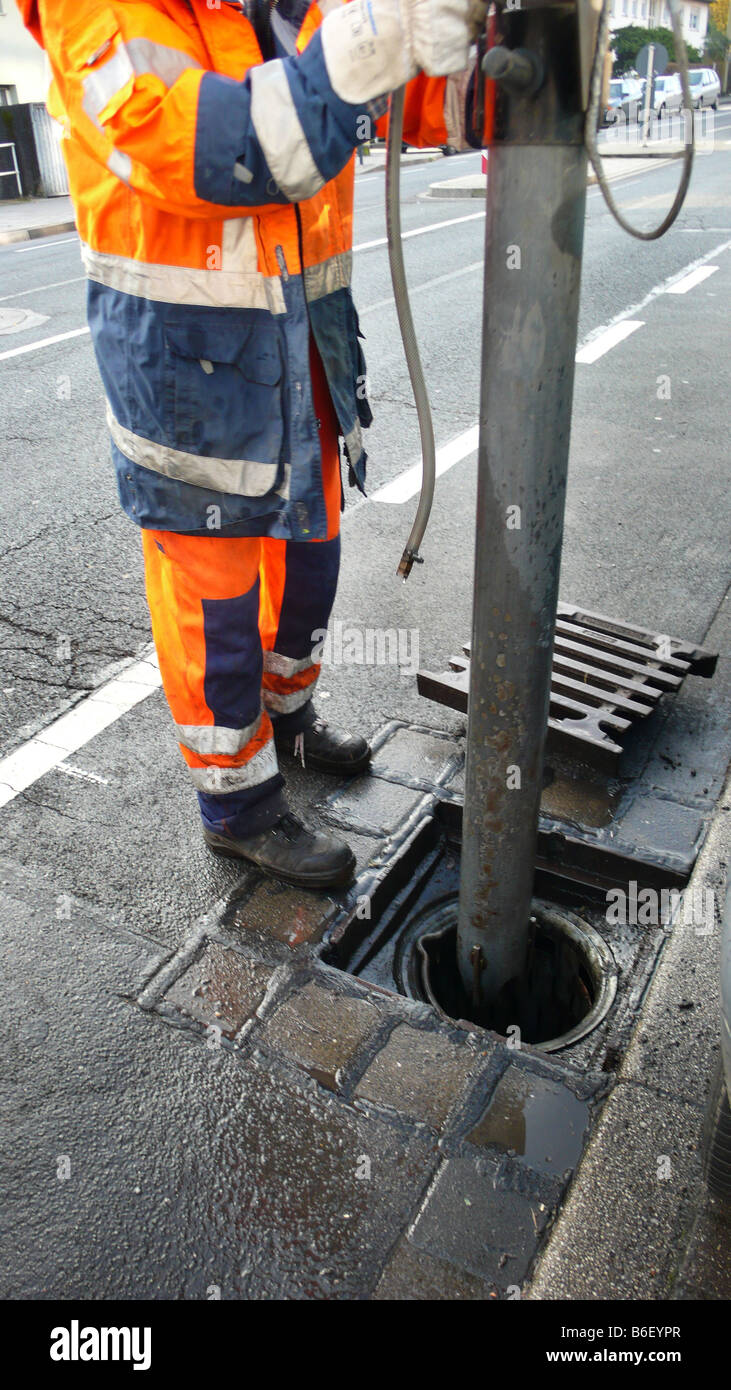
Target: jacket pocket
<point x="224" y="393"/>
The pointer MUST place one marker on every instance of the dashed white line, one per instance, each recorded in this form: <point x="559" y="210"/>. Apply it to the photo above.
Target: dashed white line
<point x="633" y="310"/>
<point x="602" y="342"/>
<point x="42" y="245"/>
<point x="420" y="231"/>
<point x="407" y="484"/>
<point x="425" y="285"/>
<point x="43" y="342"/>
<point x="598" y="342"/>
<point x="37" y="289"/>
<point x="689" y="282"/>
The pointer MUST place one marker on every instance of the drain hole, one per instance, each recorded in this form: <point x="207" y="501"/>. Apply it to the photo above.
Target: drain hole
<point x="567" y="988"/>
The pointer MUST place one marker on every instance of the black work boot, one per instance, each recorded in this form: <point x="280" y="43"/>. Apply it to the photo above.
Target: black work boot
<point x="325" y="747"/>
<point x="308" y="858"/>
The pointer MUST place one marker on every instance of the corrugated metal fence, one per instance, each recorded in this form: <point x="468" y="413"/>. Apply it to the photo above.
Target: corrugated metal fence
<point x="35" y="135"/>
<point x="46" y="133"/>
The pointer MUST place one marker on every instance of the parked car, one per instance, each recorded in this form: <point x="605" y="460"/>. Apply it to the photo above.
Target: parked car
<point x="624" y="96"/>
<point x="705" y="87"/>
<point x="668" y="95"/>
<point x="717" y="1127"/>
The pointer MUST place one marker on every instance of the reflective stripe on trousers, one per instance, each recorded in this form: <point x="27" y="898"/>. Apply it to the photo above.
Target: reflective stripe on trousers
<point x="233" y="621"/>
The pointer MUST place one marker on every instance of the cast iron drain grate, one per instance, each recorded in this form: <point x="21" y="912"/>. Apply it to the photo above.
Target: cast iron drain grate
<point x="606" y="676"/>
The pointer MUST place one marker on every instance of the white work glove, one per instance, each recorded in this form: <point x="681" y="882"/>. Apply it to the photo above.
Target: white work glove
<point x="373" y="46"/>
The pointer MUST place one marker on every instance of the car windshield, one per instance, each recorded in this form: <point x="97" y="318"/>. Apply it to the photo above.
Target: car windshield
<point x="660" y="84"/>
<point x="615" y="89"/>
<point x="695" y="77"/>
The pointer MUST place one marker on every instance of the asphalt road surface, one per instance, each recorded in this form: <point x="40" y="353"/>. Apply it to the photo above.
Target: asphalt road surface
<point x="647" y="535"/>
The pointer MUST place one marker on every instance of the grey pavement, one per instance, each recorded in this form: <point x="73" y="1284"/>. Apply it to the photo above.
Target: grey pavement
<point x="199" y="1098"/>
<point x="22" y="219"/>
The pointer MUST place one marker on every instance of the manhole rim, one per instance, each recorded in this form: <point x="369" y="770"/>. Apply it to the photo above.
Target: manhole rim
<point x="596" y="953"/>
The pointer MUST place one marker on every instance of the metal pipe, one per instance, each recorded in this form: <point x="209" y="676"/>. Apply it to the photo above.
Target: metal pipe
<point x="536" y="199"/>
<point x="408" y="333"/>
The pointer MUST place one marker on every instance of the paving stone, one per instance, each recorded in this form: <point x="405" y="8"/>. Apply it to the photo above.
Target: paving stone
<point x="478" y="1226"/>
<point x="411" y="1274"/>
<point x="322" y="1030"/>
<point x="373" y="805"/>
<point x="539" y="1121"/>
<point x="659" y="827"/>
<point x="222" y="989"/>
<point x="421" y="1074"/>
<point x="274" y="909"/>
<point x="364" y="847"/>
<point x="415" y="753"/>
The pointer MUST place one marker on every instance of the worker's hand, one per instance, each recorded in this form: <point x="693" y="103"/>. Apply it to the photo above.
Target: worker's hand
<point x="439" y="32"/>
<point x="374" y="46"/>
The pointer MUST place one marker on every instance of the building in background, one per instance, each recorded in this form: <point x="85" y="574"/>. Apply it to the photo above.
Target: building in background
<point x="655" y="14"/>
<point x="24" y="70"/>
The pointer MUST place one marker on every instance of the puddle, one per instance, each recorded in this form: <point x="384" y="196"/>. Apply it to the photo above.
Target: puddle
<point x="538" y="1121"/>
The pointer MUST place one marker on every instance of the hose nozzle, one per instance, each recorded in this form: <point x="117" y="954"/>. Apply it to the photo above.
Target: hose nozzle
<point x="409" y="558"/>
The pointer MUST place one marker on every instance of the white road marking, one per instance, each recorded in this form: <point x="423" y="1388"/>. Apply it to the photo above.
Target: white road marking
<point x="407" y="484"/>
<point x="364" y="246"/>
<point x="43" y="342"/>
<point x="414" y="168"/>
<point x="36" y="289"/>
<point x="633" y="310"/>
<point x="594" y="346"/>
<point x="602" y="342"/>
<point x="420" y="231"/>
<point x="81" y="773"/>
<point x="689" y="282"/>
<point x="426" y="285"/>
<point x="662" y="288"/>
<point x="72" y="730"/>
<point x="42" y="245"/>
<point x="77" y="726"/>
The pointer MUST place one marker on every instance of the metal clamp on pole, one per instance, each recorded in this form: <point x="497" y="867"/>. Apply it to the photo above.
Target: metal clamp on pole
<point x="516" y="68"/>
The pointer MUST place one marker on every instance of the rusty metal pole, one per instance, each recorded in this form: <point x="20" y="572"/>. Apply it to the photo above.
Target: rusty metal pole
<point x="536" y="198"/>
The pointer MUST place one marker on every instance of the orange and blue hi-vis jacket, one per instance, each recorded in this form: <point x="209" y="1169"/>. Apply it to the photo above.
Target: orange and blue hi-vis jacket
<point x="214" y="201"/>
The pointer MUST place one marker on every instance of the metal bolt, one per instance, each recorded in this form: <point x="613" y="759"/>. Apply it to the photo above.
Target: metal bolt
<point x="517" y="68"/>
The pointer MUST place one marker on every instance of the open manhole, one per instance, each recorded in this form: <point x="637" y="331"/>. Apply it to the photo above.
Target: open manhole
<point x="568" y="987"/>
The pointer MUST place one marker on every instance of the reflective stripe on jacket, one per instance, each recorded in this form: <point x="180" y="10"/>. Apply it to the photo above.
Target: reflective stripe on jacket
<point x="214" y="201"/>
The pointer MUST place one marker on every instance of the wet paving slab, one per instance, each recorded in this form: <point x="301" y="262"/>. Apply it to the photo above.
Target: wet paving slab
<point x="389" y="1072"/>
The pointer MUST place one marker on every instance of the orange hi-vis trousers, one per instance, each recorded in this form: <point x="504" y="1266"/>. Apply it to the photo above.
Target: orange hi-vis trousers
<point x="233" y="620"/>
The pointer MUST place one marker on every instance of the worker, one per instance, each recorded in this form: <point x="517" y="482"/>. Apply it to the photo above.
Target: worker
<point x="210" y="152"/>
